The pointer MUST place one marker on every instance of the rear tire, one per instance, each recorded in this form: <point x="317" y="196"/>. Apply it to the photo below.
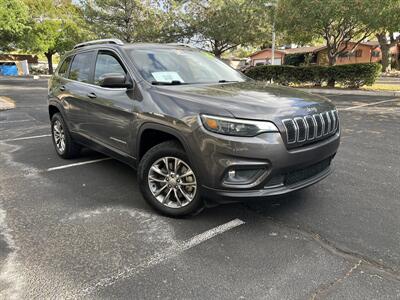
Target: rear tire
<point x="168" y="182"/>
<point x="62" y="140"/>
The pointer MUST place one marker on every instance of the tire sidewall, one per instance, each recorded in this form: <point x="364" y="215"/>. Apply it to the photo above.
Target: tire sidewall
<point x="157" y="152"/>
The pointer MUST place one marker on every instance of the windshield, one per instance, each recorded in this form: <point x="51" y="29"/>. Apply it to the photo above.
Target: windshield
<point x="182" y="66"/>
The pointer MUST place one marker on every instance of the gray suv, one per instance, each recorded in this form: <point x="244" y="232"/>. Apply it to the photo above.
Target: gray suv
<point x="193" y="127"/>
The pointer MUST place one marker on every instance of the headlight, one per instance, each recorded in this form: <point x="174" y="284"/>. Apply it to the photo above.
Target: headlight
<point x="238" y="127"/>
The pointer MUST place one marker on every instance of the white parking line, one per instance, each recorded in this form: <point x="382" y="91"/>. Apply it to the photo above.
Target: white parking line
<point x="26" y="138"/>
<point x="369" y="104"/>
<point x="159" y="257"/>
<point x="16" y="121"/>
<point x="77" y="164"/>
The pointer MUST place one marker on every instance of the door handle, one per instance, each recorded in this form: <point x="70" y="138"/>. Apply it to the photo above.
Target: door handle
<point x="91" y="95"/>
<point x="62" y="88"/>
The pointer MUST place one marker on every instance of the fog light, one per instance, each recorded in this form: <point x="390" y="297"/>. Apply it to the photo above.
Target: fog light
<point x="242" y="176"/>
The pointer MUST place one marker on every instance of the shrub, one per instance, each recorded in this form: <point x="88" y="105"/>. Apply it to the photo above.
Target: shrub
<point x="356" y="75"/>
<point x="352" y="75"/>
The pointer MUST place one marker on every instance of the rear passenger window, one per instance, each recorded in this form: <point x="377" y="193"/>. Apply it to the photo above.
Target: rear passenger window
<point x="81" y="67"/>
<point x="64" y="67"/>
<point x="107" y="63"/>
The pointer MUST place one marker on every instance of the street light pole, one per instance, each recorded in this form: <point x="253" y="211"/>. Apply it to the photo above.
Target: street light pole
<point x="273" y="6"/>
<point x="273" y="41"/>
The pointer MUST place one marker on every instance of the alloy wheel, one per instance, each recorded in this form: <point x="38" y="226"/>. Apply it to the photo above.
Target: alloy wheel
<point x="172" y="182"/>
<point x="59" y="136"/>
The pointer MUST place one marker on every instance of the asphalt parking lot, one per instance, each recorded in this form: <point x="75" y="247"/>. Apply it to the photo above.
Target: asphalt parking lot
<point x="80" y="228"/>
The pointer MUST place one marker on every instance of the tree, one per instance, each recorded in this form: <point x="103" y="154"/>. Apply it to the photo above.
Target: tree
<point x="134" y="20"/>
<point x="54" y="28"/>
<point x="383" y="18"/>
<point x="338" y="22"/>
<point x="222" y="25"/>
<point x="13" y="23"/>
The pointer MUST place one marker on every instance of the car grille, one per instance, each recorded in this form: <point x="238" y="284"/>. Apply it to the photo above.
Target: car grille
<point x="306" y="173"/>
<point x="301" y="130"/>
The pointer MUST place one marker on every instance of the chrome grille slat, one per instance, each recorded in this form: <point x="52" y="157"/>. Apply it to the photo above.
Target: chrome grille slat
<point x="333" y="118"/>
<point x="301" y="129"/>
<point x="311" y="127"/>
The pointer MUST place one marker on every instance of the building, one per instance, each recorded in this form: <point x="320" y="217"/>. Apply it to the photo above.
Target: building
<point x="264" y="57"/>
<point x="363" y="53"/>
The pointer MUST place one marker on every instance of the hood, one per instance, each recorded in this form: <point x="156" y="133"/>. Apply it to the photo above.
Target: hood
<point x="248" y="100"/>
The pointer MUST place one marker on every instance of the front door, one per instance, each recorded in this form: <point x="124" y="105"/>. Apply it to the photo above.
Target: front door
<point x="110" y="109"/>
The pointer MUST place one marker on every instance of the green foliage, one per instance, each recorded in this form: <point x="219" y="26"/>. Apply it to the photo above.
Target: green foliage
<point x="221" y="25"/>
<point x="54" y="28"/>
<point x="352" y="75"/>
<point x="294" y="59"/>
<point x="13" y="23"/>
<point x="355" y="75"/>
<point x="134" y="20"/>
<point x="338" y="22"/>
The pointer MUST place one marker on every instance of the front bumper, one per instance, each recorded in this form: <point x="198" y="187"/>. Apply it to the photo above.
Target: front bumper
<point x="286" y="170"/>
<point x="226" y="196"/>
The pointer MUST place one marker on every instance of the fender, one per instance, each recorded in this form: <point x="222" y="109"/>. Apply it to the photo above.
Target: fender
<point x="53" y="102"/>
<point x="164" y="128"/>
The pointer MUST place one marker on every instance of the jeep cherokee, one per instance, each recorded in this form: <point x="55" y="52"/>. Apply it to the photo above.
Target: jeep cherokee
<point x="193" y="127"/>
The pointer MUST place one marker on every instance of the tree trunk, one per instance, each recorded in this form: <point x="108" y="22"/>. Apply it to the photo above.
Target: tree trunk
<point x="49" y="56"/>
<point x="385" y="45"/>
<point x="217" y="53"/>
<point x="216" y="49"/>
<point x="331" y="62"/>
<point x="386" y="63"/>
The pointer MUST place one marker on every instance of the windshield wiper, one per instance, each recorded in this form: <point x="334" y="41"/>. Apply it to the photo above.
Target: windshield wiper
<point x="223" y="81"/>
<point x="173" y="82"/>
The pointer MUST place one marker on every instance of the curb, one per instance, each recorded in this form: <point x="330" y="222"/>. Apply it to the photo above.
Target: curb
<point x="6" y="103"/>
<point x="350" y="92"/>
<point x="35" y="77"/>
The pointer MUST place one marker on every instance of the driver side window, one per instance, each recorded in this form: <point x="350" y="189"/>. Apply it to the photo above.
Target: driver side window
<point x="107" y="63"/>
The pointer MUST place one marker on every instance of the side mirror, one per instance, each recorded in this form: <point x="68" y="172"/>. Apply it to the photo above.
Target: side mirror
<point x="115" y="80"/>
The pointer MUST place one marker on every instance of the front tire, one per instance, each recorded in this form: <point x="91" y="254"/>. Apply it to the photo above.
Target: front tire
<point x="62" y="140"/>
<point x="168" y="181"/>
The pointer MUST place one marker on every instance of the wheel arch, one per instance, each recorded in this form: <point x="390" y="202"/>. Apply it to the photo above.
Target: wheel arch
<point x="54" y="107"/>
<point x="165" y="133"/>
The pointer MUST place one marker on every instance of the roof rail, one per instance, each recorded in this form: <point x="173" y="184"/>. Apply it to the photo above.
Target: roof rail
<point x="103" y="41"/>
<point x="182" y="45"/>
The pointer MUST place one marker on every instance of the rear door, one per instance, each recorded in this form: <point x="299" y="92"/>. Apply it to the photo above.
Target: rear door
<point x="77" y="91"/>
<point x="111" y="109"/>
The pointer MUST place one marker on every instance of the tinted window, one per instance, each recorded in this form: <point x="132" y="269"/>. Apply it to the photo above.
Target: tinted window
<point x="80" y="67"/>
<point x="64" y="67"/>
<point x="107" y="63"/>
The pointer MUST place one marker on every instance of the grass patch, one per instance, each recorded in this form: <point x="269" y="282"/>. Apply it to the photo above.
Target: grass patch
<point x="382" y="87"/>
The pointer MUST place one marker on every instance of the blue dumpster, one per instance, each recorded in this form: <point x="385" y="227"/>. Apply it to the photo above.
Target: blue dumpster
<point x="8" y="69"/>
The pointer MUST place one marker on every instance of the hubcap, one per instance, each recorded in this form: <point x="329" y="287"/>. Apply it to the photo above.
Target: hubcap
<point x="59" y="136"/>
<point x="172" y="182"/>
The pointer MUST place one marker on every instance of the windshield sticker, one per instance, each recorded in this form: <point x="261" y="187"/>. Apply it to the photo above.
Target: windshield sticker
<point x="167" y="76"/>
